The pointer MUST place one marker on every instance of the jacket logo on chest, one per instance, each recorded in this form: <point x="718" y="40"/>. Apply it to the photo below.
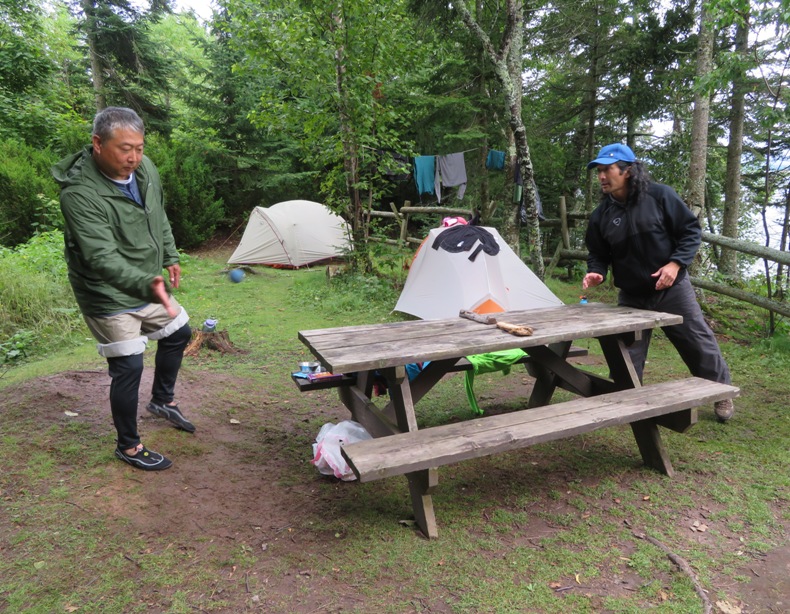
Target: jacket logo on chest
<point x="616" y="221"/>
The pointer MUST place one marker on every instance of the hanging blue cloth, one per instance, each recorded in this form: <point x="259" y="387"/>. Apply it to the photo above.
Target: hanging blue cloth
<point x="424" y="172"/>
<point x="495" y="160"/>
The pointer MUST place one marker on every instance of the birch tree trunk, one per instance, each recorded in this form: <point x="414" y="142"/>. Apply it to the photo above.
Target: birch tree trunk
<point x="505" y="60"/>
<point x="347" y="136"/>
<point x="695" y="189"/>
<point x="593" y="77"/>
<point x="728" y="264"/>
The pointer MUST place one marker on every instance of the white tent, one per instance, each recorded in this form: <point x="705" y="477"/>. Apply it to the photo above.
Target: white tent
<point x="292" y="234"/>
<point x="442" y="282"/>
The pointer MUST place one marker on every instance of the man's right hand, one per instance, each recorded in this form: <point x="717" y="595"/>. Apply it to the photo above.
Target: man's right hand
<point x="592" y="279"/>
<point x="160" y="295"/>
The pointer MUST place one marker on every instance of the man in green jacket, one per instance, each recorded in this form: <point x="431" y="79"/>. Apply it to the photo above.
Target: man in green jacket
<point x="118" y="241"/>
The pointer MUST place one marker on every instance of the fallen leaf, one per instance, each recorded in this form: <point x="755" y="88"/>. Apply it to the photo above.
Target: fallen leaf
<point x="39" y="564"/>
<point x="662" y="595"/>
<point x="555" y="584"/>
<point x="578" y="581"/>
<point x="71" y="414"/>
<point x="646" y="498"/>
<point x="617" y="500"/>
<point x="234" y="421"/>
<point x="71" y="608"/>
<point x="727" y="608"/>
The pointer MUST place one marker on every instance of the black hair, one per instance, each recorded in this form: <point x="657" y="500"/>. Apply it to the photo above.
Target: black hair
<point x="639" y="179"/>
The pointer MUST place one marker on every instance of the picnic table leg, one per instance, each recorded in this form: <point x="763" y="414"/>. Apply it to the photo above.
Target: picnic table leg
<point x="421" y="485"/>
<point x="651" y="446"/>
<point x="621" y="368"/>
<point x="545" y="380"/>
<point x="401" y="403"/>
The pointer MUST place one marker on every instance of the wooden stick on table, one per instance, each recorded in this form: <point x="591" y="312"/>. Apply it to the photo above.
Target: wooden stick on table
<point x="477" y="317"/>
<point x="515" y="329"/>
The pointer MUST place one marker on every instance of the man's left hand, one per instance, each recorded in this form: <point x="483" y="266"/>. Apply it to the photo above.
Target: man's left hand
<point x="666" y="275"/>
<point x="175" y="274"/>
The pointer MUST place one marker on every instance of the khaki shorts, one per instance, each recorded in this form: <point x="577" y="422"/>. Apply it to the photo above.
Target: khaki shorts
<point x="127" y="334"/>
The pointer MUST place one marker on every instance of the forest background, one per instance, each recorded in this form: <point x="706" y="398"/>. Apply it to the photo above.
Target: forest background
<point x="269" y="100"/>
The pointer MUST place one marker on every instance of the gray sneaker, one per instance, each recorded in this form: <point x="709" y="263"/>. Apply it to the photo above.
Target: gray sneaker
<point x="172" y="414"/>
<point x="724" y="409"/>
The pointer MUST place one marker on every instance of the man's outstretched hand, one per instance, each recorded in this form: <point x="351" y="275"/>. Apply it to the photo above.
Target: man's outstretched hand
<point x="592" y="279"/>
<point x="160" y="295"/>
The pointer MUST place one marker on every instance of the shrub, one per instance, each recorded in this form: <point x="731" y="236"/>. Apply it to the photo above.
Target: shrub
<point x="37" y="307"/>
<point x="24" y="180"/>
<point x="188" y="180"/>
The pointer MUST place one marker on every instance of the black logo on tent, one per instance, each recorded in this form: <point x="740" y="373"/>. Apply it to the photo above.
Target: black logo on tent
<point x="462" y="238"/>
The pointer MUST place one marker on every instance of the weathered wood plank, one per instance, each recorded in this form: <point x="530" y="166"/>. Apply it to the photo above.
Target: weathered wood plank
<point x="442" y="445"/>
<point x="368" y="347"/>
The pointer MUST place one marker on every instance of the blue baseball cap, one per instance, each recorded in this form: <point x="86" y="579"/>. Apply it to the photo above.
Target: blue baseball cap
<point x="610" y="154"/>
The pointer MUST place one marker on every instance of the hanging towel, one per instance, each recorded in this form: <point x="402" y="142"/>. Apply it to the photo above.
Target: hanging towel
<point x="450" y="172"/>
<point x="495" y="160"/>
<point x="424" y="173"/>
<point x="488" y="363"/>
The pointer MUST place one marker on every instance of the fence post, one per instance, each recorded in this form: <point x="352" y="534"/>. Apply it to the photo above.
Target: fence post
<point x="404" y="223"/>
<point x="566" y="239"/>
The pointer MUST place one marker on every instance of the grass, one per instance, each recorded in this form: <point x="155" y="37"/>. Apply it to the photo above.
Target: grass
<point x="546" y="529"/>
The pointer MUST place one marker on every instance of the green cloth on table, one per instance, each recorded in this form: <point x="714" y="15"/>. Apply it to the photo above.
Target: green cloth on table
<point x="488" y="363"/>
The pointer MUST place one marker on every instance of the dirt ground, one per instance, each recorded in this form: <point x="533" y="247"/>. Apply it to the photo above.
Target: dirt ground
<point x="222" y="494"/>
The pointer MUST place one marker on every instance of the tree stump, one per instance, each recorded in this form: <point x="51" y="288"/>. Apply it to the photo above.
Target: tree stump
<point x="218" y="341"/>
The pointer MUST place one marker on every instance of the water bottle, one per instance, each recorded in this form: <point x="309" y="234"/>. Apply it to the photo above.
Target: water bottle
<point x="209" y="326"/>
<point x="583" y="300"/>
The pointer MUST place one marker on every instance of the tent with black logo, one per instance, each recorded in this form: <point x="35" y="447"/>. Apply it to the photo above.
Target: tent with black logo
<point x="471" y="268"/>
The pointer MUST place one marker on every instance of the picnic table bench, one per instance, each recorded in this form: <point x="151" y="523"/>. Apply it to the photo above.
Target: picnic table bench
<point x="400" y="447"/>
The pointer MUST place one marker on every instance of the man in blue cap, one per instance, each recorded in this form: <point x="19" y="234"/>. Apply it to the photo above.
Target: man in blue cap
<point x="649" y="236"/>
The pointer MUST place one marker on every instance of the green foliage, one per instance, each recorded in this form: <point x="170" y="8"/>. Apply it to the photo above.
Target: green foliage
<point x="332" y="81"/>
<point x="134" y="73"/>
<point x="188" y="180"/>
<point x="37" y="309"/>
<point x="16" y="348"/>
<point x="363" y="295"/>
<point x="24" y="177"/>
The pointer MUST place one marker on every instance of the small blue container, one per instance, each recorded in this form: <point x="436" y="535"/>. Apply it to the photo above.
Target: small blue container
<point x="209" y="326"/>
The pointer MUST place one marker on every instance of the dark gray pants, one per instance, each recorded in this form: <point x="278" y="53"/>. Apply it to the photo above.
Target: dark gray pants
<point x="693" y="339"/>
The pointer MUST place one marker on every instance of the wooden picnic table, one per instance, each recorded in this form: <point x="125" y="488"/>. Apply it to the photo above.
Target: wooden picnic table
<point x="400" y="447"/>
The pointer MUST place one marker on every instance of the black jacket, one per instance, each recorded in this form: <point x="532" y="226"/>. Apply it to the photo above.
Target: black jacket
<point x="639" y="238"/>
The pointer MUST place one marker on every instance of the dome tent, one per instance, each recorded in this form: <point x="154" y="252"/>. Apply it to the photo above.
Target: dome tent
<point x="292" y="234"/>
<point x="442" y="280"/>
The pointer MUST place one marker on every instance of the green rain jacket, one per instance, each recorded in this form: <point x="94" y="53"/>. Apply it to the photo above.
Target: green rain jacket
<point x="114" y="247"/>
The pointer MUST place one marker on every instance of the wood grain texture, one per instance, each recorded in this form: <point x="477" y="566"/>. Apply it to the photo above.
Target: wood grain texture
<point x="377" y="346"/>
<point x="450" y="443"/>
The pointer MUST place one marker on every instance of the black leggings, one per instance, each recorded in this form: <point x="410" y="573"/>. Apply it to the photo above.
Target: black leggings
<point x="126" y="372"/>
